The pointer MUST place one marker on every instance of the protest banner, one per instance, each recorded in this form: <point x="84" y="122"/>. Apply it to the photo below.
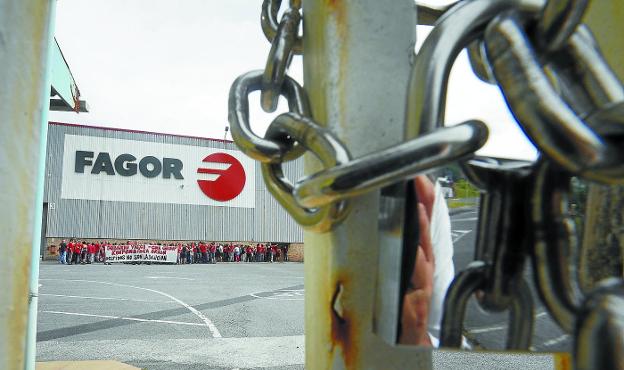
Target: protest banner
<point x="141" y="253"/>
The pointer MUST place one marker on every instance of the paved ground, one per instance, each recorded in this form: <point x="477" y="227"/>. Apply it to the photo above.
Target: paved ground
<point x="225" y="316"/>
<point x="174" y="317"/>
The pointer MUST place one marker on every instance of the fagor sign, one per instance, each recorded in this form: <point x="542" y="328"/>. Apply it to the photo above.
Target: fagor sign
<point x="97" y="168"/>
<point x="230" y="180"/>
<point x="125" y="165"/>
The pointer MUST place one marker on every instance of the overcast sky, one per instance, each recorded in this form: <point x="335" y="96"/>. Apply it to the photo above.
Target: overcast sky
<point x="167" y="66"/>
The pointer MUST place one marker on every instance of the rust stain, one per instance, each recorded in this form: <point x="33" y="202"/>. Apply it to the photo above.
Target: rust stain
<point x="562" y="361"/>
<point x="333" y="3"/>
<point x="342" y="329"/>
<point x="338" y="13"/>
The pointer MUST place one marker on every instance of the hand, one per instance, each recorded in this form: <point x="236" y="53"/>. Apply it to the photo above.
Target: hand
<point x="415" y="310"/>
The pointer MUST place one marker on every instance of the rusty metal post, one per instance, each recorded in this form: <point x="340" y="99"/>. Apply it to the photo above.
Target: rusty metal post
<point x="603" y="237"/>
<point x="25" y="38"/>
<point x="357" y="60"/>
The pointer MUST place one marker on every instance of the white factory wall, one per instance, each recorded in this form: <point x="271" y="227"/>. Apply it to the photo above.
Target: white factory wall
<point x="86" y="205"/>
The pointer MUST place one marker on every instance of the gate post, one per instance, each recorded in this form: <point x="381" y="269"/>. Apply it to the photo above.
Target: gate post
<point x="25" y="39"/>
<point x="357" y="60"/>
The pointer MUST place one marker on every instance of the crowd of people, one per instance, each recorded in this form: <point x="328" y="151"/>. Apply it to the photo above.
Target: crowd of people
<point x="77" y="252"/>
<point x="216" y="252"/>
<point x="82" y="252"/>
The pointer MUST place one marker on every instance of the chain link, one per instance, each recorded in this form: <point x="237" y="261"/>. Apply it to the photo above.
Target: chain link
<point x="558" y="21"/>
<point x="279" y="59"/>
<point x="261" y="149"/>
<point x="550" y="123"/>
<point x="310" y="199"/>
<point x="270" y="23"/>
<point x="578" y="127"/>
<point x="500" y="250"/>
<point x="327" y="148"/>
<point x="386" y="167"/>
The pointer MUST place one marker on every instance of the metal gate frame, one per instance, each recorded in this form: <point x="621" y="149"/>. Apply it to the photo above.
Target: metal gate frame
<point x="26" y="38"/>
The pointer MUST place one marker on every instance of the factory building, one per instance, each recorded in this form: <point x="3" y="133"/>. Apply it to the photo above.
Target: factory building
<point x="113" y="184"/>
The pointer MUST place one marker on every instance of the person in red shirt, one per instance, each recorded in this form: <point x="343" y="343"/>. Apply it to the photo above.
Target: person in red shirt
<point x="277" y="252"/>
<point x="70" y="252"/>
<point x="90" y="252"/>
<point x="213" y="250"/>
<point x="204" y="252"/>
<point x="261" y="252"/>
<point x="228" y="253"/>
<point x="249" y="252"/>
<point x="77" y="251"/>
<point x="96" y="251"/>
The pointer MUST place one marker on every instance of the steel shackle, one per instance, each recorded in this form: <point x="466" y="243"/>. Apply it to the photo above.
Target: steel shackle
<point x="495" y="277"/>
<point x="554" y="244"/>
<point x="470" y="281"/>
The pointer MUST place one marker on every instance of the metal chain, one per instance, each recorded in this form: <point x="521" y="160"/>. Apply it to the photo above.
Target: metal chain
<point x="561" y="92"/>
<point x="281" y="53"/>
<point x="552" y="124"/>
<point x="502" y="244"/>
<point x="327" y="148"/>
<point x="341" y="179"/>
<point x="558" y="21"/>
<point x="579" y="129"/>
<point x="270" y="24"/>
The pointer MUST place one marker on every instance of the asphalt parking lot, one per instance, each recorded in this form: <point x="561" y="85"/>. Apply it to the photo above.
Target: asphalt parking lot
<point x="226" y="316"/>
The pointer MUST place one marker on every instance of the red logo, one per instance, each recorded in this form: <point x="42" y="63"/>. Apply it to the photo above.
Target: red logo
<point x="229" y="180"/>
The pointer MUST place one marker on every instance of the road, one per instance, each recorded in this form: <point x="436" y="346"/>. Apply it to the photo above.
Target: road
<point x="487" y="330"/>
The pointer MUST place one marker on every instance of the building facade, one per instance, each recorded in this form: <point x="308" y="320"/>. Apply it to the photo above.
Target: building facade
<point x="104" y="183"/>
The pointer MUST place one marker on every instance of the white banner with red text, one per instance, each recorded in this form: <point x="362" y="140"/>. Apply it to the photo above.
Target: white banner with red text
<point x="141" y="253"/>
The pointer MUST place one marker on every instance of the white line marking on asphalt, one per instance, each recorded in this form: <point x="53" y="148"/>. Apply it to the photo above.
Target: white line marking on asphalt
<point x="557" y="340"/>
<point x="213" y="329"/>
<point x="486" y="330"/>
<point x="541" y="314"/>
<point x="168" y="277"/>
<point x="466" y="219"/>
<point x="102" y="298"/>
<point x="458" y="234"/>
<point x="124" y="318"/>
<point x="282" y="295"/>
<point x="82" y="314"/>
